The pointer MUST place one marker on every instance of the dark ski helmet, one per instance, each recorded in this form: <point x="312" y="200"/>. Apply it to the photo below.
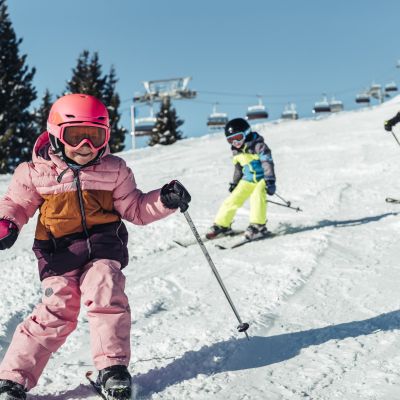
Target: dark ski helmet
<point x="236" y="131"/>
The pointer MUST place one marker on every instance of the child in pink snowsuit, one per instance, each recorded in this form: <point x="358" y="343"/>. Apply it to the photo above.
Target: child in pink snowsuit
<point x="83" y="193"/>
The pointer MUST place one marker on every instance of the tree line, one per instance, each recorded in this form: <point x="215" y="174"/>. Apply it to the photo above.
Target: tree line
<point x="20" y="125"/>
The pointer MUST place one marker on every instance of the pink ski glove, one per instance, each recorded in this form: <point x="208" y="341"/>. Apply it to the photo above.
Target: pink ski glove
<point x="8" y="234"/>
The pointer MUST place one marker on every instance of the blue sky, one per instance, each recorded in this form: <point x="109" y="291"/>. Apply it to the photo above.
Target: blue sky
<point x="285" y="50"/>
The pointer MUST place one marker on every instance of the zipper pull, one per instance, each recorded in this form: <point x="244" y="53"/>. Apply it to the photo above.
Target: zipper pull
<point x="59" y="177"/>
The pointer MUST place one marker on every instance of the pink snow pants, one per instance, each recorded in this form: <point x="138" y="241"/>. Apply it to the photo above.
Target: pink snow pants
<point x="101" y="287"/>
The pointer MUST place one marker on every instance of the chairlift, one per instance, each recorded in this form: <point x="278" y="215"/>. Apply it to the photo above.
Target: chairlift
<point x="375" y="91"/>
<point x="290" y="112"/>
<point x="144" y="125"/>
<point x="391" y="87"/>
<point x="375" y="87"/>
<point x="257" y="112"/>
<point x="336" y="105"/>
<point x="217" y="120"/>
<point x="157" y="90"/>
<point x="322" y="106"/>
<point x="363" y="98"/>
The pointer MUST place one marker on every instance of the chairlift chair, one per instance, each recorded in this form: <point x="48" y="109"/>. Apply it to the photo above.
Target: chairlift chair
<point x="375" y="91"/>
<point x="144" y="125"/>
<point x="363" y="98"/>
<point x="290" y="112"/>
<point x="217" y="120"/>
<point x="391" y="87"/>
<point x="336" y="105"/>
<point x="257" y="112"/>
<point x="322" y="106"/>
<point x="375" y="87"/>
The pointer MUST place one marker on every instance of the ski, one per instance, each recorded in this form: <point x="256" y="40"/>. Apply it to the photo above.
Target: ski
<point x="244" y="241"/>
<point x="97" y="389"/>
<point x="185" y="244"/>
<point x="392" y="200"/>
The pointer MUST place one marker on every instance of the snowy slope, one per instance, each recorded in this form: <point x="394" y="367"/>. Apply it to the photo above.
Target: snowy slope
<point x="322" y="297"/>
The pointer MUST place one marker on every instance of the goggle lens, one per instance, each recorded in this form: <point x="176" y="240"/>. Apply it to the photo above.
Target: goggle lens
<point x="73" y="135"/>
<point x="237" y="137"/>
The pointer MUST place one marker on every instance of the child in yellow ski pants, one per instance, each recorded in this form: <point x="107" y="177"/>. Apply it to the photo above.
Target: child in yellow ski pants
<point x="244" y="190"/>
<point x="254" y="178"/>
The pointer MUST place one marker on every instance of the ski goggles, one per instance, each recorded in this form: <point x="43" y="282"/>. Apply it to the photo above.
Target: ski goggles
<point x="85" y="133"/>
<point x="236" y="139"/>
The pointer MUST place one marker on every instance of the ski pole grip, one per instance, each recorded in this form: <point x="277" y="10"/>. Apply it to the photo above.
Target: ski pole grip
<point x="183" y="207"/>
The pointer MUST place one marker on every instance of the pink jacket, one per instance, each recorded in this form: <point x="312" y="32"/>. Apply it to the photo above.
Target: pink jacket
<point x="80" y="209"/>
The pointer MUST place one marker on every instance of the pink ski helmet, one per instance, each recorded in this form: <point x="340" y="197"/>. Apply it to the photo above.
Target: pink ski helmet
<point x="76" y="119"/>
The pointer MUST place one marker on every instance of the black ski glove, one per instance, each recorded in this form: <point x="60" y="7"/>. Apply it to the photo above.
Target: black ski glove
<point x="270" y="186"/>
<point x="174" y="195"/>
<point x="232" y="186"/>
<point x="387" y="126"/>
<point x="8" y="234"/>
<point x="390" y="123"/>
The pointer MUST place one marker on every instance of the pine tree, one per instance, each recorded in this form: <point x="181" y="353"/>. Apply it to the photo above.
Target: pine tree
<point x="87" y="78"/>
<point x="112" y="101"/>
<point x="42" y="113"/>
<point x="17" y="132"/>
<point x="166" y="128"/>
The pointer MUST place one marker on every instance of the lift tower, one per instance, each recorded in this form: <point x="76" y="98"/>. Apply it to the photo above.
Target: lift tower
<point x="155" y="92"/>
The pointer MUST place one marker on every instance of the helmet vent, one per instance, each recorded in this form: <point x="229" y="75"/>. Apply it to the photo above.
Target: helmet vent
<point x="70" y="116"/>
<point x="101" y="118"/>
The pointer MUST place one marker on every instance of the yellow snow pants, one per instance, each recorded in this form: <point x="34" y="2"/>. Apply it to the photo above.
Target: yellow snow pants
<point x="244" y="190"/>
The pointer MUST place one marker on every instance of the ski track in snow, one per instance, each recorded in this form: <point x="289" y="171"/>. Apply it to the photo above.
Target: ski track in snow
<point x="321" y="297"/>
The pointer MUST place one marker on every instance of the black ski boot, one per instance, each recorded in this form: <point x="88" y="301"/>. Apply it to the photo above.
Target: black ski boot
<point x="218" y="231"/>
<point x="10" y="390"/>
<point x="256" y="231"/>
<point x="115" y="383"/>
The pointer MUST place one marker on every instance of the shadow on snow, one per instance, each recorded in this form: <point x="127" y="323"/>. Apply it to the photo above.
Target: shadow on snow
<point x="287" y="229"/>
<point x="80" y="392"/>
<point x="241" y="354"/>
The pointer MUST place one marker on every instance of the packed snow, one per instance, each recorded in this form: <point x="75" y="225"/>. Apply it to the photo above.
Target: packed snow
<point x="322" y="297"/>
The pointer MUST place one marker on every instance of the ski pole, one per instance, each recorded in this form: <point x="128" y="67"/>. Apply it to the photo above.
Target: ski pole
<point x="285" y="205"/>
<point x="397" y="140"/>
<point x="243" y="326"/>
<point x="288" y="204"/>
<point x="285" y="201"/>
